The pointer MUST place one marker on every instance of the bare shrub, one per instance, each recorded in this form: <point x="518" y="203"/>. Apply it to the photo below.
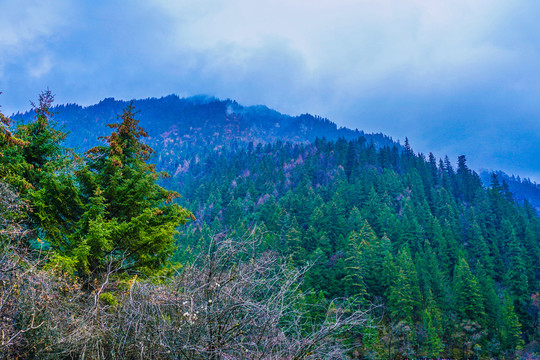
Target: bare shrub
<point x="231" y="303"/>
<point x="37" y="306"/>
<point x="12" y="260"/>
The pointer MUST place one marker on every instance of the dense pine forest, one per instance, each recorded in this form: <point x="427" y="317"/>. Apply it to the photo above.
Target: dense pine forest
<point x="453" y="265"/>
<point x="292" y="238"/>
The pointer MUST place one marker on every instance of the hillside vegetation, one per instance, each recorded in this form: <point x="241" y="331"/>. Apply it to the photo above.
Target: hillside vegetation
<point x="454" y="265"/>
<point x="371" y="250"/>
<point x="86" y="242"/>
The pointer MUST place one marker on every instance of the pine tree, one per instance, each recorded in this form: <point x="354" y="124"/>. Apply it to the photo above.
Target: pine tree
<point x="355" y="220"/>
<point x="355" y="266"/>
<point x="46" y="169"/>
<point x="432" y="323"/>
<point x="490" y="298"/>
<point x="478" y="247"/>
<point x="389" y="272"/>
<point x="431" y="278"/>
<point x="468" y="299"/>
<point x="510" y="327"/>
<point x="516" y="276"/>
<point x="118" y="176"/>
<point x="294" y="244"/>
<point x="44" y="142"/>
<point x="404" y="298"/>
<point x="373" y="251"/>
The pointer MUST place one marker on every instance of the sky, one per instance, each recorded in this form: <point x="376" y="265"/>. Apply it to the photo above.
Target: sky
<point x="457" y="77"/>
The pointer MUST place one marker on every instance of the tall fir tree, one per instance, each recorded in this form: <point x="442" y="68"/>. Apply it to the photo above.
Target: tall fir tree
<point x="468" y="299"/>
<point x="46" y="168"/>
<point x="405" y="298"/>
<point x="510" y="331"/>
<point x="118" y="176"/>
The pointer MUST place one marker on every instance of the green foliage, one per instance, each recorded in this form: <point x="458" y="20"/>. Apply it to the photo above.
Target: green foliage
<point x="41" y="169"/>
<point x="352" y="208"/>
<point x="432" y="322"/>
<point x="129" y="219"/>
<point x="510" y="327"/>
<point x="372" y="219"/>
<point x="355" y="267"/>
<point x="468" y="299"/>
<point x="108" y="298"/>
<point x="404" y="297"/>
<point x="99" y="214"/>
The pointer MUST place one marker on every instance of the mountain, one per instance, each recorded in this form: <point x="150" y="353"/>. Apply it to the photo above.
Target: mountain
<point x="454" y="265"/>
<point x="521" y="189"/>
<point x="187" y="125"/>
<point x="182" y="128"/>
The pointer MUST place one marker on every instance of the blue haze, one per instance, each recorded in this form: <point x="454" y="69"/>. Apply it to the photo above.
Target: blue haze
<point x="455" y="77"/>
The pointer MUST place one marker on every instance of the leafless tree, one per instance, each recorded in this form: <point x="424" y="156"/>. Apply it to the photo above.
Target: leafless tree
<point x="231" y="303"/>
<point x="13" y="266"/>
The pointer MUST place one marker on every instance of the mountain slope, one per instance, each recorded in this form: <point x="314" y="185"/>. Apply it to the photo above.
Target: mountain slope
<point x="454" y="265"/>
<point x="441" y="253"/>
<point x="522" y="189"/>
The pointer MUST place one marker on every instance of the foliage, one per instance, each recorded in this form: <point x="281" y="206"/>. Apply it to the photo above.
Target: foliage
<point x="230" y="303"/>
<point x="107" y="207"/>
<point x="128" y="214"/>
<point x="426" y="240"/>
<point x="454" y="265"/>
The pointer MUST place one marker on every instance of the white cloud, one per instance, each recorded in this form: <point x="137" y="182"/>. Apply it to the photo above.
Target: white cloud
<point x="353" y="42"/>
<point x="379" y="65"/>
<point x="27" y="26"/>
<point x="40" y="66"/>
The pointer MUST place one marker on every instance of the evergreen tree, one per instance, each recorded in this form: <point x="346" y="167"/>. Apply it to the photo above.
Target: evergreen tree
<point x="46" y="173"/>
<point x="516" y="276"/>
<point x="510" y="327"/>
<point x="141" y="213"/>
<point x="373" y="251"/>
<point x="468" y="299"/>
<point x="355" y="266"/>
<point x="294" y="243"/>
<point x="404" y="298"/>
<point x="490" y="298"/>
<point x="478" y="247"/>
<point x="432" y="320"/>
<point x="431" y="278"/>
<point x="44" y="142"/>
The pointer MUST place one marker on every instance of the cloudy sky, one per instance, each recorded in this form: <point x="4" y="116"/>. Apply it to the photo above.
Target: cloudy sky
<point x="455" y="76"/>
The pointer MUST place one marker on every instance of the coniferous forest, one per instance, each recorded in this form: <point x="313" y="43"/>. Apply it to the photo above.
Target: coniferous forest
<point x="262" y="242"/>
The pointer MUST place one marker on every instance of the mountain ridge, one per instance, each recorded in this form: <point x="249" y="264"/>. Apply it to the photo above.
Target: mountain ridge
<point x="257" y="123"/>
<point x="180" y="128"/>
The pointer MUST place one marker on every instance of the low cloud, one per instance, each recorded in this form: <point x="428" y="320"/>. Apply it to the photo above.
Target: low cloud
<point x="453" y="76"/>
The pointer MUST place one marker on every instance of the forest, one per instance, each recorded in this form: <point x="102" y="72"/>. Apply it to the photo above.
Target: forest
<point x="453" y="265"/>
<point x="343" y="247"/>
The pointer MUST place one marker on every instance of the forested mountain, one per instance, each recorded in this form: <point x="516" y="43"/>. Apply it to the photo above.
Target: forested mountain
<point x="452" y="265"/>
<point x="185" y="126"/>
<point x="521" y="189"/>
<point x="455" y="265"/>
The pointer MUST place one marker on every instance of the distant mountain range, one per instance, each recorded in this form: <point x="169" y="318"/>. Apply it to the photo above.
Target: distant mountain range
<point x="522" y="189"/>
<point x="182" y="128"/>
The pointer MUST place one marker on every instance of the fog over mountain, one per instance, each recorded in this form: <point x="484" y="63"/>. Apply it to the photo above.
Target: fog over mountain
<point x="455" y="77"/>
